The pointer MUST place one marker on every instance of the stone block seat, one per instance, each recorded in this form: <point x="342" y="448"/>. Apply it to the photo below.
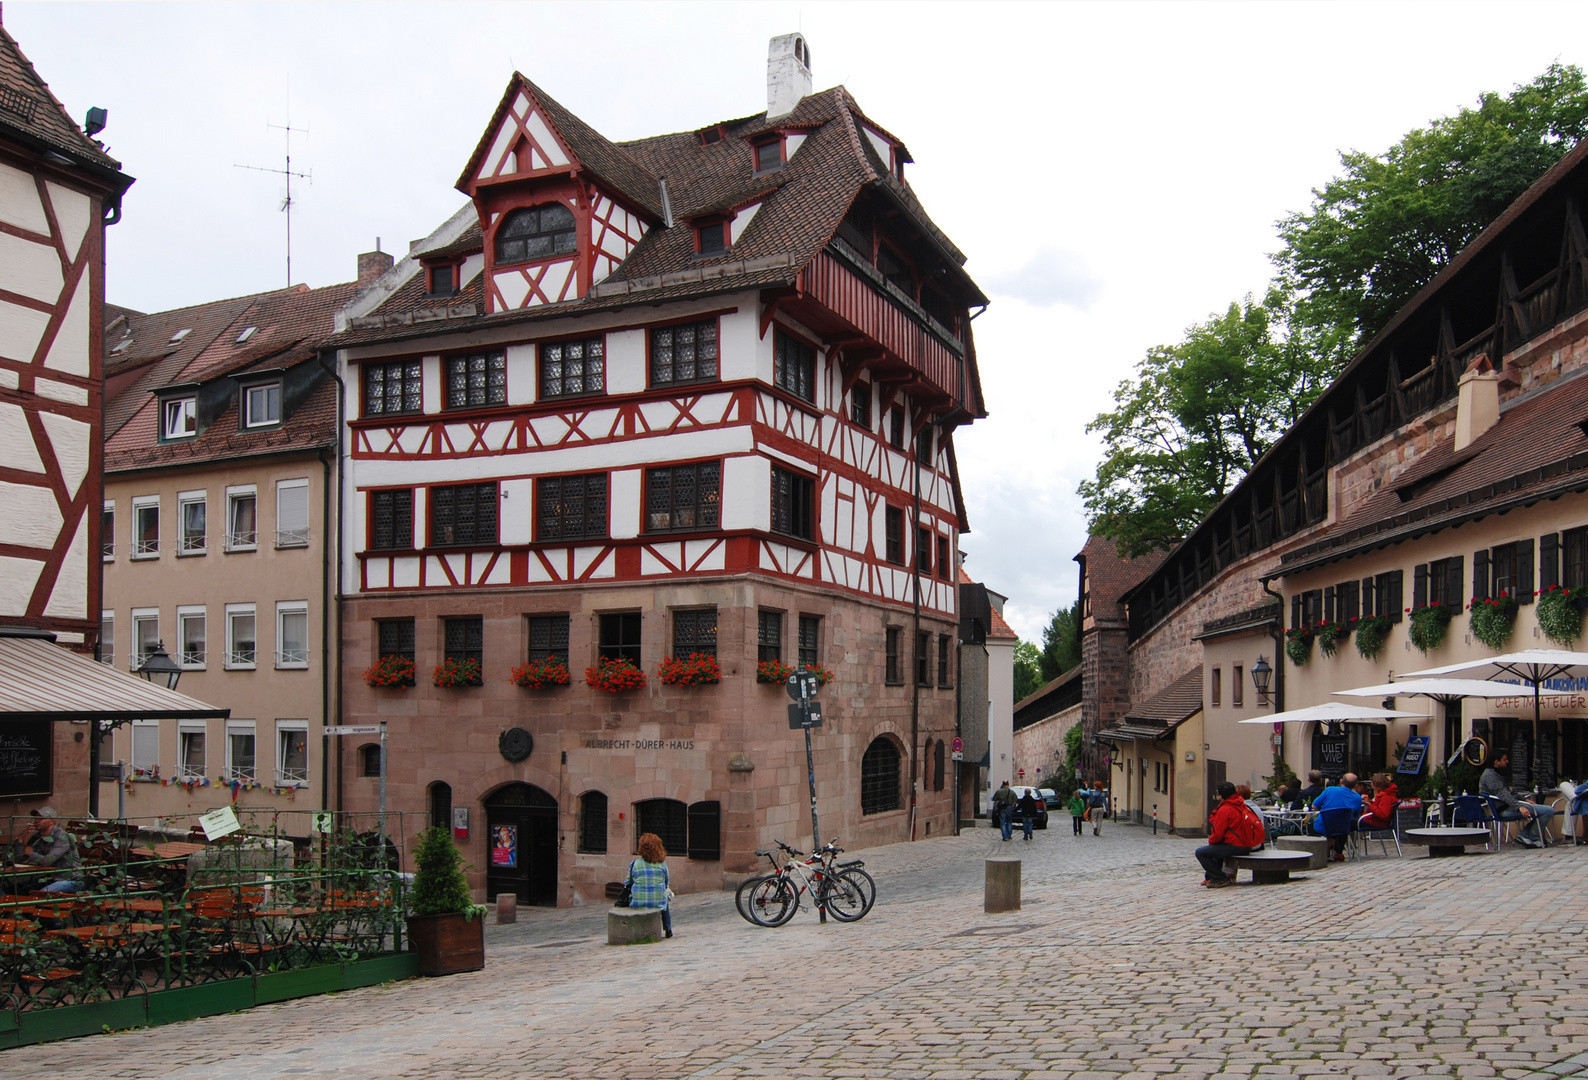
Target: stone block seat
<point x="633" y="926"/>
<point x="1316" y="846"/>
<point x="1271" y="867"/>
<point x="1447" y="840"/>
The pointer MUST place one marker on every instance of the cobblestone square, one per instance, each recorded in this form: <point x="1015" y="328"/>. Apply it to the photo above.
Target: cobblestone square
<point x="1119" y="965"/>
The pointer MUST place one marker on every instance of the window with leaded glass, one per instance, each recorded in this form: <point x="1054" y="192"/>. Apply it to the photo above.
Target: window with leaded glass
<point x="942" y="659"/>
<point x="923" y="659"/>
<point x="860" y="405"/>
<point x="396" y="638"/>
<point x="793" y="503"/>
<point x="477" y="380"/>
<point x="794" y="366"/>
<point x="619" y="636"/>
<point x="893" y="673"/>
<point x="393" y="388"/>
<point x="538" y="232"/>
<point x="943" y="560"/>
<point x="768" y="636"/>
<point x="923" y="549"/>
<point x="683" y="497"/>
<point x="571" y="368"/>
<point x="391" y="519"/>
<point x="879" y="777"/>
<point x="893" y="534"/>
<point x="810" y="639"/>
<point x="694" y="632"/>
<point x="548" y="637"/>
<point x="463" y="515"/>
<point x="684" y="353"/>
<point x="571" y="507"/>
<point x="668" y="819"/>
<point x="896" y="427"/>
<point x="465" y="640"/>
<point x="593" y="823"/>
<point x="440" y="803"/>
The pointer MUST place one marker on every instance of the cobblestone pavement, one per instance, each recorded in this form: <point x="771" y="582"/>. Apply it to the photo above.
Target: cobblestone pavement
<point x="1119" y="966"/>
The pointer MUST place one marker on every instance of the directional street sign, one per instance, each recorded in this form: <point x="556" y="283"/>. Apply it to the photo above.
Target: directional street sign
<point x="797" y="716"/>
<point x="353" y="729"/>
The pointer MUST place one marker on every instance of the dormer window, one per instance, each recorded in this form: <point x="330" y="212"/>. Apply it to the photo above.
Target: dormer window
<point x="710" y="135"/>
<point x="769" y="155"/>
<point x="179" y="418"/>
<point x="539" y="232"/>
<point x="711" y="238"/>
<point x="262" y="405"/>
<point x="443" y="280"/>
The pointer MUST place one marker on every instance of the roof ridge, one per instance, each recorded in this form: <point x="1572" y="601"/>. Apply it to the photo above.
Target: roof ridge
<point x="85" y="143"/>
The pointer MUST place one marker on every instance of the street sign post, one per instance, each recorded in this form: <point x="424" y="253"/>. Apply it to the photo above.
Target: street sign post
<point x="806" y="713"/>
<point x="805" y="716"/>
<point x="368" y="729"/>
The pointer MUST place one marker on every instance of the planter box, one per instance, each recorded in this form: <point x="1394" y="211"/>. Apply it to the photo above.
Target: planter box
<point x="447" y="944"/>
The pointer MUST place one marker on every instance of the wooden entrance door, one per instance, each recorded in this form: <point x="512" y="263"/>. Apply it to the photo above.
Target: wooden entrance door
<point x="521" y="844"/>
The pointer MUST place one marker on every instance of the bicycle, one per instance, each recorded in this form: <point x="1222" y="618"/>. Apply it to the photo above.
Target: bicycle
<point x="844" y="890"/>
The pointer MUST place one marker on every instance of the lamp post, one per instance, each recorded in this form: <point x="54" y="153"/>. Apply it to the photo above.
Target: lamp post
<point x="159" y="664"/>
<point x="1262" y="675"/>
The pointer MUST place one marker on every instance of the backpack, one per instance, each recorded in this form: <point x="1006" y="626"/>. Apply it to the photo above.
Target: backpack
<point x="1249" y="830"/>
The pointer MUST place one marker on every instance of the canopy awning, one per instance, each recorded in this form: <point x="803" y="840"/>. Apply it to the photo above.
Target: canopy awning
<point x="40" y="680"/>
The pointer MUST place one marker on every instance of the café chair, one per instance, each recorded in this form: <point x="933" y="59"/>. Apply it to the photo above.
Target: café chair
<point x="1341" y="821"/>
<point x="1477" y="811"/>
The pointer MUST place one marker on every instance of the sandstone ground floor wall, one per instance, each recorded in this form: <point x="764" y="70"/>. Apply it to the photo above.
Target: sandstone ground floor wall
<point x="598" y="759"/>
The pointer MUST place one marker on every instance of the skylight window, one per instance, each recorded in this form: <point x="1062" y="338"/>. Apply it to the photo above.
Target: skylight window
<point x="180" y="334"/>
<point x="246" y="334"/>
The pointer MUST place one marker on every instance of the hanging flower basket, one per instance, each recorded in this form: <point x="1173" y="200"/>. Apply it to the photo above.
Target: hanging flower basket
<point x="390" y="671"/>
<point x="454" y="673"/>
<point x="1370" y="635"/>
<point x="697" y="669"/>
<point x="1298" y="645"/>
<point x="541" y="674"/>
<point x="1560" y="613"/>
<point x="1428" y="626"/>
<point x="1329" y="636"/>
<point x="614" y="676"/>
<point x="823" y="676"/>
<point x="1492" y="620"/>
<point x="773" y="671"/>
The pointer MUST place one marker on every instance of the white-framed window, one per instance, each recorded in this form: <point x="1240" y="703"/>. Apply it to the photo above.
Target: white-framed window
<point x="242" y="638"/>
<point x="179" y="418"/>
<point x="190" y="637"/>
<point x="145" y="749"/>
<point x="146" y="527"/>
<point x="240" y="750"/>
<point x="292" y="634"/>
<point x="292" y="753"/>
<point x="262" y="404"/>
<point x="145" y="634"/>
<point x="191" y="517"/>
<point x="190" y="750"/>
<point x="242" y="519"/>
<point x="107" y="531"/>
<point x="292" y="513"/>
<point x="107" y="637"/>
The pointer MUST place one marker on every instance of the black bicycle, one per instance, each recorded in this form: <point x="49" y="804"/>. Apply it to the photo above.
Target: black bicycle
<point x="843" y="890"/>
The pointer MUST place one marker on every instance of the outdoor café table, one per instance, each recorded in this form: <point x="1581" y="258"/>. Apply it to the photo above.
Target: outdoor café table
<point x="144" y="905"/>
<point x="1446" y="841"/>
<point x="169" y="851"/>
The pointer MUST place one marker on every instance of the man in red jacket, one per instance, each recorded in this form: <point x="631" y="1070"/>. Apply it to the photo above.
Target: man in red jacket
<point x="1232" y="830"/>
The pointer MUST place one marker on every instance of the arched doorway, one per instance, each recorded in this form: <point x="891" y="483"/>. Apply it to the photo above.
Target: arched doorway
<point x="521" y="844"/>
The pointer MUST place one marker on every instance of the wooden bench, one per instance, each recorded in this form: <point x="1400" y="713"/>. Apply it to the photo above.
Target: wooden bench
<point x="1448" y="840"/>
<point x="1270" y="867"/>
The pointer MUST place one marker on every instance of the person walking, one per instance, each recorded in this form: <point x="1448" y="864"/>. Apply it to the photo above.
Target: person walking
<point x="1028" y="810"/>
<point x="1097" y="800"/>
<point x="648" y="880"/>
<point x="1077" y="808"/>
<point x="1003" y="804"/>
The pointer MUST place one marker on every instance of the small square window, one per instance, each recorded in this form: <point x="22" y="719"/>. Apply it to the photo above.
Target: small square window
<point x="191" y="518"/>
<point x="684" y="353"/>
<point x="476" y="381"/>
<point x="620" y="636"/>
<point x="262" y="405"/>
<point x="443" y="281"/>
<point x="548" y="637"/>
<point x="242" y="528"/>
<point x="769" y="155"/>
<point x="694" y="632"/>
<point x="180" y="418"/>
<point x="713" y="237"/>
<point x="463" y="515"/>
<point x="396" y="387"/>
<point x="572" y="368"/>
<point x="391" y="519"/>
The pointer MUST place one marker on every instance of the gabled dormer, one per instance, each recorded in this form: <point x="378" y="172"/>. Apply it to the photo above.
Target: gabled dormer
<point x="560" y="206"/>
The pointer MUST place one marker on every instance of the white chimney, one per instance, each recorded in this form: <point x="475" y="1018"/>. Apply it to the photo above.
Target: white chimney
<point x="1477" y="402"/>
<point x="788" y="74"/>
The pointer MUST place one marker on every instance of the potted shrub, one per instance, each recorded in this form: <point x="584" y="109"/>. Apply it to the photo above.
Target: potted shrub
<point x="1298" y="645"/>
<point x="1370" y="635"/>
<point x="390" y="671"/>
<point x="454" y="672"/>
<point x="445" y="928"/>
<point x="614" y="675"/>
<point x="697" y="669"/>
<point x="1428" y="626"/>
<point x="1559" y="614"/>
<point x="1491" y="620"/>
<point x="540" y="674"/>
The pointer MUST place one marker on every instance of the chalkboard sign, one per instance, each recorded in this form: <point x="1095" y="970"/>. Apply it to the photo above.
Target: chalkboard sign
<point x="1519" y="756"/>
<point x="1544" y="756"/>
<point x="1412" y="759"/>
<point x="26" y="757"/>
<point x="1330" y="759"/>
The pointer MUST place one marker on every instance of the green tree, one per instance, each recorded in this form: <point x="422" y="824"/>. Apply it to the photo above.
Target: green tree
<point x="1028" y="670"/>
<point x="1061" y="642"/>
<point x="1380" y="231"/>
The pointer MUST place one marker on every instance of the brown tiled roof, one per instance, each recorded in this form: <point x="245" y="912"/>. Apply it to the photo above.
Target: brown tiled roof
<point x="1001" y="629"/>
<point x="311" y="426"/>
<point x="1174" y="704"/>
<point x="29" y="109"/>
<point x="1537" y="450"/>
<point x="1110" y="577"/>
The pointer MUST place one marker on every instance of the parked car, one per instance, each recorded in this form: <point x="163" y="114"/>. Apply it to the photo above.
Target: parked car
<point x="1050" y="799"/>
<point x="1041" y="820"/>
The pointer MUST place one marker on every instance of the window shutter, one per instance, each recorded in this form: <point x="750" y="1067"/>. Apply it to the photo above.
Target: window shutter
<point x="1548" y="560"/>
<point x="1480" y="575"/>
<point x="1524" y="571"/>
<point x="1395" y="583"/>
<point x="1328" y="603"/>
<point x="1453" y="572"/>
<point x="145" y="746"/>
<point x="1368" y="598"/>
<point x="705" y="830"/>
<point x="1419" y="585"/>
<point x="292" y="513"/>
<point x="1295" y="612"/>
<point x="1350" y="608"/>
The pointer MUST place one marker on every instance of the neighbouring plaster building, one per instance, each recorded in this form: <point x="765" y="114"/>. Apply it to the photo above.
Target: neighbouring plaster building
<point x="692" y="395"/>
<point x="1446" y="464"/>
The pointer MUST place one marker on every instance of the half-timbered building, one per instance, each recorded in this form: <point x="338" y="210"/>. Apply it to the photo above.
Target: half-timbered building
<point x="687" y="396"/>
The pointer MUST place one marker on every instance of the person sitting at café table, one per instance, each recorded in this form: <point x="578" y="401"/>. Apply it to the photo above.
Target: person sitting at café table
<point x="1289" y="794"/>
<point x="1380" y="811"/>
<point x="1492" y="784"/>
<point x="1313" y="789"/>
<point x="44" y="843"/>
<point x="1341" y="796"/>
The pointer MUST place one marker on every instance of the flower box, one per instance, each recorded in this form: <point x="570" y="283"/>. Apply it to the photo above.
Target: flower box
<point x="541" y="674"/>
<point x="390" y="672"/>
<point x="454" y="673"/>
<point x="1370" y="634"/>
<point x="1428" y="626"/>
<point x="1298" y="645"/>
<point x="614" y="676"/>
<point x="696" y="669"/>
<point x="1492" y="620"/>
<point x="773" y="671"/>
<point x="1559" y="613"/>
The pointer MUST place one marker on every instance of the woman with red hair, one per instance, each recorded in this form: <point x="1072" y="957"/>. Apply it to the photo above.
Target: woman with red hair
<point x="648" y="880"/>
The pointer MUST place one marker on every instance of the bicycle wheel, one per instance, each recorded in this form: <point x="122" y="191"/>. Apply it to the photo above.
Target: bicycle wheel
<point x="742" y="896"/>
<point x="849" y="895"/>
<point x="772" y="901"/>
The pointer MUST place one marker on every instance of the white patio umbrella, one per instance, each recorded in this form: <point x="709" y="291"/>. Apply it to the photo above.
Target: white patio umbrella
<point x="1445" y="691"/>
<point x="1532" y="666"/>
<point x="1332" y="712"/>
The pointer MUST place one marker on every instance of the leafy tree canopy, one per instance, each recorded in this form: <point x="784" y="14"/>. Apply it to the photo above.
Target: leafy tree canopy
<point x="1028" y="670"/>
<point x="1061" y="642"/>
<point x="1196" y="416"/>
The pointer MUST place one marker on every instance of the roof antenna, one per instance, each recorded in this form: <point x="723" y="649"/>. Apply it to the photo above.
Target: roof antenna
<point x="285" y="171"/>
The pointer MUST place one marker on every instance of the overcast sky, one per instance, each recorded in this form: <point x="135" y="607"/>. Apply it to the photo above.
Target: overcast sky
<point x="1113" y="171"/>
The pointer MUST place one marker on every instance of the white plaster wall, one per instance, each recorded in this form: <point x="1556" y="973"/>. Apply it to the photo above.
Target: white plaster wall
<point x="31" y="270"/>
<point x="16" y="440"/>
<point x="741" y="351"/>
<point x="17" y="578"/>
<point x="623" y="503"/>
<point x="516" y="515"/>
<point x="19" y="201"/>
<point x="31" y="518"/>
<point x="625" y="361"/>
<point x="69" y="600"/>
<point x="522" y="385"/>
<point x="746" y="493"/>
<point x="1000" y="713"/>
<point x="72" y="213"/>
<point x="69" y="350"/>
<point x="21" y="329"/>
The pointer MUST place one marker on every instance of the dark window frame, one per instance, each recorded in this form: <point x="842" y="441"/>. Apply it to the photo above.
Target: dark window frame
<point x="438" y="797"/>
<point x="923" y="548"/>
<point x="758" y="165"/>
<point x="896" y="419"/>
<point x="593" y="821"/>
<point x="860" y="405"/>
<point x="923" y="659"/>
<point x="459" y="387"/>
<point x="943" y="674"/>
<point x="794" y="365"/>
<point x="565" y="514"/>
<point x="713" y="238"/>
<point x="879" y="777"/>
<point x="395" y="637"/>
<point x="592" y="360"/>
<point x="893" y="668"/>
<point x="809" y="643"/>
<point x="662" y="362"/>
<point x="548" y="637"/>
<point x="705" y="512"/>
<point x="704" y="820"/>
<point x="396" y="532"/>
<point x="562" y="239"/>
<point x="944" y="558"/>
<point x="463" y="638"/>
<point x="893" y="534"/>
<point x="668" y="819"/>
<point x="768" y="636"/>
<point x="407" y="376"/>
<point x="618" y="635"/>
<point x="694" y="630"/>
<point x="793" y="503"/>
<point x="471" y="526"/>
<point x="369" y="759"/>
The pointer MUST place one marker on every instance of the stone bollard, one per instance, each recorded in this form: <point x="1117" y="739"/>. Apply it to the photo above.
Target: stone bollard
<point x="630" y="926"/>
<point x="506" y="908"/>
<point x="1316" y="846"/>
<point x="1003" y="886"/>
